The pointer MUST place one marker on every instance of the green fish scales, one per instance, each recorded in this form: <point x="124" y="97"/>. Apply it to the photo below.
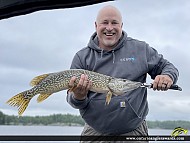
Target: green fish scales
<point x="47" y="84"/>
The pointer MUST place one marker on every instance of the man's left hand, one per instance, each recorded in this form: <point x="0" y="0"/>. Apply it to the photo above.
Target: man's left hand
<point x="162" y="82"/>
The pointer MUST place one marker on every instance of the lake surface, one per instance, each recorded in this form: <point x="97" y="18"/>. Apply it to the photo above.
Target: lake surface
<point x="58" y="130"/>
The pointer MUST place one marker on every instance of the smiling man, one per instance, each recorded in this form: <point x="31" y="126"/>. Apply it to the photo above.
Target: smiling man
<point x="110" y="51"/>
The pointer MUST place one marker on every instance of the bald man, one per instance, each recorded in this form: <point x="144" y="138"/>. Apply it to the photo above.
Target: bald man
<point x="111" y="52"/>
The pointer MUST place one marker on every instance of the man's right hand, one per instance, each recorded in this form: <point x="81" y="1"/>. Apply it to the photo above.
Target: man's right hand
<point x="81" y="89"/>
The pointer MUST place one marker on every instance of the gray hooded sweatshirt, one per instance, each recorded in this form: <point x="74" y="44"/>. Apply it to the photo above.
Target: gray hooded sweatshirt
<point x="130" y="59"/>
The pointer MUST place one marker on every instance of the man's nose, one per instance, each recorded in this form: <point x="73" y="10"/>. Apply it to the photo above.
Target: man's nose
<point x="109" y="27"/>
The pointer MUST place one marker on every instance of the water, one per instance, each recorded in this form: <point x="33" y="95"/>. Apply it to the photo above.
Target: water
<point x="58" y="130"/>
<point x="40" y="130"/>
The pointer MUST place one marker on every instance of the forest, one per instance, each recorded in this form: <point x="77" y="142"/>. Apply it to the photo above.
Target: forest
<point x="76" y="120"/>
<point x="55" y="119"/>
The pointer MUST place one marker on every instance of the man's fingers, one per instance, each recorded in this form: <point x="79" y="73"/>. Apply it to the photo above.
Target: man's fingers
<point x="89" y="85"/>
<point x="85" y="83"/>
<point x="169" y="84"/>
<point x="81" y="81"/>
<point x="72" y="81"/>
<point x="162" y="82"/>
<point x="155" y="83"/>
<point x="164" y="86"/>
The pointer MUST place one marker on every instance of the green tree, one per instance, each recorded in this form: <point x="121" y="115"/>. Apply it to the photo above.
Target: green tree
<point x="2" y="118"/>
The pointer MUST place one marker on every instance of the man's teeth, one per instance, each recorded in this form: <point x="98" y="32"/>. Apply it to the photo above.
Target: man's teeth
<point x="109" y="34"/>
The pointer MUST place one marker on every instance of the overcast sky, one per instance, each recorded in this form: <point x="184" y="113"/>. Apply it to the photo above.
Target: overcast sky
<point x="46" y="41"/>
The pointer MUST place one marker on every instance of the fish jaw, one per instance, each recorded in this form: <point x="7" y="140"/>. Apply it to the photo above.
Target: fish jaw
<point x="121" y="86"/>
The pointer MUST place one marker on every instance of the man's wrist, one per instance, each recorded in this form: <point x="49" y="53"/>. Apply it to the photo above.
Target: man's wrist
<point x="75" y="96"/>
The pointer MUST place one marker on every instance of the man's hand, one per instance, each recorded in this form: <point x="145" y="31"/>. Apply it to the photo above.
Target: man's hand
<point x="162" y="82"/>
<point x="81" y="89"/>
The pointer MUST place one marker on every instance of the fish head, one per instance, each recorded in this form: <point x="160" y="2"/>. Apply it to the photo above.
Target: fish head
<point x="120" y="86"/>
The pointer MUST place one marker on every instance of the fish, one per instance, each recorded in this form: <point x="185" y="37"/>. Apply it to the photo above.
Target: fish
<point x="46" y="84"/>
<point x="177" y="131"/>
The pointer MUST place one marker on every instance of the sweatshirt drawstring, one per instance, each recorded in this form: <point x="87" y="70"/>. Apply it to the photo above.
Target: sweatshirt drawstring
<point x="113" y="56"/>
<point x="102" y="53"/>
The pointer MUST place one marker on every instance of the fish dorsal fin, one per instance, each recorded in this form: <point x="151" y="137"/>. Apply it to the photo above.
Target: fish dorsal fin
<point x="38" y="79"/>
<point x="42" y="97"/>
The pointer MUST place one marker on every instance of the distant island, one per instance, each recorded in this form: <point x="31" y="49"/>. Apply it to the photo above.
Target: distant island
<point x="55" y="119"/>
<point x="76" y="120"/>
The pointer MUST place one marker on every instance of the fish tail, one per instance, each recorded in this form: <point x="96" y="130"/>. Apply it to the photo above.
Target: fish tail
<point x="20" y="101"/>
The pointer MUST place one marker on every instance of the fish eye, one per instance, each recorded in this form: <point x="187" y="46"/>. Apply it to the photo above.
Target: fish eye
<point x="124" y="80"/>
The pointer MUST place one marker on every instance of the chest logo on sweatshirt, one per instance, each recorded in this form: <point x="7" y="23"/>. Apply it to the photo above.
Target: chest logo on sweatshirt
<point x="127" y="59"/>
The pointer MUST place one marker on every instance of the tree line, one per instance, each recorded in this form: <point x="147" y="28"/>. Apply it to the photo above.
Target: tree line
<point x="76" y="120"/>
<point x="168" y="124"/>
<point x="55" y="119"/>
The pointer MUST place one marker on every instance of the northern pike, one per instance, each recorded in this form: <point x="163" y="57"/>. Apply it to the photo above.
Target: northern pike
<point x="47" y="84"/>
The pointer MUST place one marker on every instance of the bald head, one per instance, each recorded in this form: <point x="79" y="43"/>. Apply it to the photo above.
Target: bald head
<point x="108" y="27"/>
<point x="109" y="11"/>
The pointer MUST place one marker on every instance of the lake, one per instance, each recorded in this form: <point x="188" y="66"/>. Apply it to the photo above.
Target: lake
<point x="58" y="130"/>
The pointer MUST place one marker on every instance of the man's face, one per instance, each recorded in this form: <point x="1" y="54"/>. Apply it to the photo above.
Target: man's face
<point x="108" y="28"/>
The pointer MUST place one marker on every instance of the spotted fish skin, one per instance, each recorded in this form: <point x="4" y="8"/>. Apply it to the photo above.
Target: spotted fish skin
<point x="47" y="84"/>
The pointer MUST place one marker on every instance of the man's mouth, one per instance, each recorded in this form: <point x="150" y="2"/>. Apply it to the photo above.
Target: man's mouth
<point x="109" y="34"/>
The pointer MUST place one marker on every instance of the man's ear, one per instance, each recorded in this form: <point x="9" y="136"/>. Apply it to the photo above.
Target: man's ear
<point x="95" y="24"/>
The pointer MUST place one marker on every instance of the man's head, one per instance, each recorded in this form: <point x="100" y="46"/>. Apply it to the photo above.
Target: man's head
<point x="108" y="27"/>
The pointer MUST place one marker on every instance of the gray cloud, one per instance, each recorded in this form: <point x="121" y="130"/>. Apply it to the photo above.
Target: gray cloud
<point x="168" y="106"/>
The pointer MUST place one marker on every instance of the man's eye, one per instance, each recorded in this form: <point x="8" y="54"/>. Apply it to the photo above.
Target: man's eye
<point x="105" y="22"/>
<point x="114" y="23"/>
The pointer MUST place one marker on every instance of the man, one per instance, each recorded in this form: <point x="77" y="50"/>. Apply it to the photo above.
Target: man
<point x="111" y="52"/>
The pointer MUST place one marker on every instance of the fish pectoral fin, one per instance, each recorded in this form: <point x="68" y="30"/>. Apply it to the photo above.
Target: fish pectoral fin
<point x="108" y="97"/>
<point x="38" y="79"/>
<point x="42" y="97"/>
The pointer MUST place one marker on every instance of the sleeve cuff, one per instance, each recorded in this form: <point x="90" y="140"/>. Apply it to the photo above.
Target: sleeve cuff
<point x="75" y="102"/>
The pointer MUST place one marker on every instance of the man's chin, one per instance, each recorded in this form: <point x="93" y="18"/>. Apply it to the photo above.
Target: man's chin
<point x="109" y="43"/>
